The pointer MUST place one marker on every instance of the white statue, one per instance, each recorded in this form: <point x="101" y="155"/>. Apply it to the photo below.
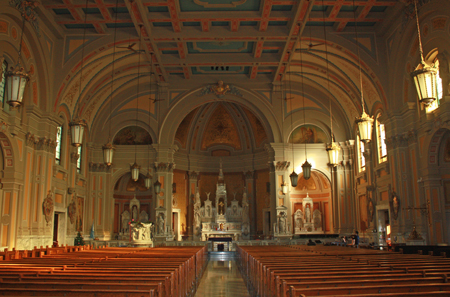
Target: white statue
<point x="197" y="197"/>
<point x="135" y="213"/>
<point x="208" y="211"/>
<point x="161" y="223"/>
<point x="197" y="218"/>
<point x="125" y="220"/>
<point x="308" y="214"/>
<point x="282" y="224"/>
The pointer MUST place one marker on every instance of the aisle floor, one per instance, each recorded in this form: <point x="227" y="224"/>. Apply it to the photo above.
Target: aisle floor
<point x="222" y="278"/>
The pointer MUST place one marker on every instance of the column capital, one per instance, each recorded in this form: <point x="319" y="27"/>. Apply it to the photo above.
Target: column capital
<point x="164" y="166"/>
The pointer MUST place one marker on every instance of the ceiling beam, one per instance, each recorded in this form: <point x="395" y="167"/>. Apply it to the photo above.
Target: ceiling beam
<point x="297" y="26"/>
<point x="139" y="16"/>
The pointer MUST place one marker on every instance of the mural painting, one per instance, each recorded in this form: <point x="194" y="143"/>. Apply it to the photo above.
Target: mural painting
<point x="308" y="134"/>
<point x="132" y="135"/>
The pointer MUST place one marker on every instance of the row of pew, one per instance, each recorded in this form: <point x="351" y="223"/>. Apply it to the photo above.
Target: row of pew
<point x="118" y="272"/>
<point x="339" y="271"/>
<point x="39" y="252"/>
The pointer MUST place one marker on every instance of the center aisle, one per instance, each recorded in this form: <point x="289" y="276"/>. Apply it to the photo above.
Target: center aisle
<point x="222" y="278"/>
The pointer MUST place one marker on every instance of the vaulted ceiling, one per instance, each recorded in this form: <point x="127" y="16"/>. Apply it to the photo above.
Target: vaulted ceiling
<point x="200" y="38"/>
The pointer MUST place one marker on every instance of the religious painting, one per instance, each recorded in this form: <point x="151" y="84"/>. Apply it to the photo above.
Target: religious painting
<point x="370" y="210"/>
<point x="132" y="135"/>
<point x="308" y="134"/>
<point x="80" y="210"/>
<point x="447" y="151"/>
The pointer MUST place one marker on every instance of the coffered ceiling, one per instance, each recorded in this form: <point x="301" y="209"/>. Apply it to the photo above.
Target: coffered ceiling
<point x="248" y="39"/>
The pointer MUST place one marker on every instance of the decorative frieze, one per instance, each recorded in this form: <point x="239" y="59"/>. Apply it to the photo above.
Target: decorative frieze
<point x="282" y="165"/>
<point x="164" y="166"/>
<point x="40" y="143"/>
<point x="193" y="175"/>
<point x="98" y="167"/>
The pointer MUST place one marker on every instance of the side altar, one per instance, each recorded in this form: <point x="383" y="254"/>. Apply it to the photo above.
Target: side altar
<point x="221" y="219"/>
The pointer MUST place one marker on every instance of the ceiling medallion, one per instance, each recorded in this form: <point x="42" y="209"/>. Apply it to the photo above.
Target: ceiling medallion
<point x="220" y="89"/>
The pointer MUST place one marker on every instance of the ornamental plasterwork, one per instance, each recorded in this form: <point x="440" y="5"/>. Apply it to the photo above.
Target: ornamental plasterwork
<point x="164" y="167"/>
<point x="27" y="11"/>
<point x="282" y="165"/>
<point x="220" y="89"/>
<point x="98" y="167"/>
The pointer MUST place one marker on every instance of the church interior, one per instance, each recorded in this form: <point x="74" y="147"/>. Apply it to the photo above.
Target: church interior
<point x="260" y="122"/>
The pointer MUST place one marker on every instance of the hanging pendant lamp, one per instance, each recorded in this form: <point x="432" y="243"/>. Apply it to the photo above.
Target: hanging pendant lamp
<point x="17" y="78"/>
<point x="364" y="122"/>
<point x="425" y="75"/>
<point x="77" y="125"/>
<point x="293" y="176"/>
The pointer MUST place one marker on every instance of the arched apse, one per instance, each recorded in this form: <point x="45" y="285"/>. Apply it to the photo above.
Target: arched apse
<point x="221" y="128"/>
<point x="256" y="103"/>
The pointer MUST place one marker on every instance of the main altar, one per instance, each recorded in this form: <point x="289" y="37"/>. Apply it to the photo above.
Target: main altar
<point x="222" y="219"/>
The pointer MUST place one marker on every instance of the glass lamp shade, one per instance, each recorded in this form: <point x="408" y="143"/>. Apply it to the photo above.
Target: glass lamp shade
<point x="108" y="153"/>
<point x="294" y="179"/>
<point x="333" y="154"/>
<point x="77" y="131"/>
<point x="365" y="124"/>
<point x="135" y="171"/>
<point x="284" y="188"/>
<point x="16" y="81"/>
<point x="148" y="181"/>
<point x="157" y="186"/>
<point x="425" y="79"/>
<point x="306" y="167"/>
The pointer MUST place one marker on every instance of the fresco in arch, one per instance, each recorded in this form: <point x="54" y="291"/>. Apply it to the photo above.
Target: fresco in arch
<point x="308" y="134"/>
<point x="132" y="135"/>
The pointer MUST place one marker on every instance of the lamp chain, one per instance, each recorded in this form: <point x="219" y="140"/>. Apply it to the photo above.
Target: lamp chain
<point x="292" y="115"/>
<point x="303" y="97"/>
<point x="82" y="57"/>
<point x="359" y="57"/>
<point x="418" y="32"/>
<point x="328" y="74"/>
<point x="137" y="92"/>
<point x="149" y="106"/>
<point x="112" y="72"/>
<point x="21" y="40"/>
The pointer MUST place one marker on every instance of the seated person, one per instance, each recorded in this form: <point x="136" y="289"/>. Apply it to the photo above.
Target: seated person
<point x="310" y="242"/>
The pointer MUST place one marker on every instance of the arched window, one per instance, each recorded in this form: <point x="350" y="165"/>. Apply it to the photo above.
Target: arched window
<point x="59" y="138"/>
<point x="80" y="156"/>
<point x="361" y="158"/>
<point x="3" y="82"/>
<point x="381" y="138"/>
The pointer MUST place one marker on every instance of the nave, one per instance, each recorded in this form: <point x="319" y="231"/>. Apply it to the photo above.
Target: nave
<point x="222" y="277"/>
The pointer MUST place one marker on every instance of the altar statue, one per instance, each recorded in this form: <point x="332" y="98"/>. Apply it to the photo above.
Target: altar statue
<point x="134" y="213"/>
<point x="161" y="223"/>
<point x="308" y="214"/>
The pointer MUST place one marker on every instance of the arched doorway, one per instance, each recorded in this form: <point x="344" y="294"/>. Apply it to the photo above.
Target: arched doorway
<point x="311" y="205"/>
<point x="125" y="209"/>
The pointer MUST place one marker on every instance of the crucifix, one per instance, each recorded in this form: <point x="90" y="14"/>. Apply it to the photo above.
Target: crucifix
<point x="221" y="205"/>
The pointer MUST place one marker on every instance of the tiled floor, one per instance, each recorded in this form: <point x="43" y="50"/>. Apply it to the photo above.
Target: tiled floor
<point x="222" y="278"/>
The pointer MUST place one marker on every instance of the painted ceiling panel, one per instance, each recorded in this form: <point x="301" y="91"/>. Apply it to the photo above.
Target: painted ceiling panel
<point x="219" y="5"/>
